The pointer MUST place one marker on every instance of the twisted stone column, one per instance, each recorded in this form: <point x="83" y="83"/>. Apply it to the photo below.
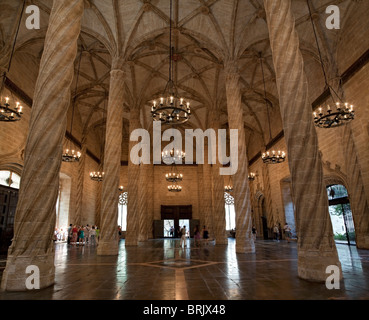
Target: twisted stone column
<point x="218" y="204"/>
<point x="241" y="189"/>
<point x="98" y="197"/>
<point x="206" y="193"/>
<point x="109" y="240"/>
<point x="358" y="201"/>
<point x="133" y="187"/>
<point x="142" y="203"/>
<point x="80" y="181"/>
<point x="35" y="215"/>
<point x="316" y="247"/>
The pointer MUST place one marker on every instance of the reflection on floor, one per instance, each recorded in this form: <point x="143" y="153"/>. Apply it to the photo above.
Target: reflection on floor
<point x="160" y="270"/>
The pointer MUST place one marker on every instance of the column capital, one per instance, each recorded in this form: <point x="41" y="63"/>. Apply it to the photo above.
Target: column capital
<point x="231" y="67"/>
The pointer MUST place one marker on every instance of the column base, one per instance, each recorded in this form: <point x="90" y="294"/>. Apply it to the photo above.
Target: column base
<point x="362" y="242"/>
<point x="312" y="265"/>
<point x="247" y="246"/>
<point x="221" y="241"/>
<point x="41" y="274"/>
<point x="108" y="248"/>
<point x="131" y="243"/>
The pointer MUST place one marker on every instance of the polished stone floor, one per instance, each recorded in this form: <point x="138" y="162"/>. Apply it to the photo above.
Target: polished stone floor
<point x="160" y="270"/>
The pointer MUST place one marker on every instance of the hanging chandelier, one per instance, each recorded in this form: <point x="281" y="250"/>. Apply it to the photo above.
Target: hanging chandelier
<point x="229" y="187"/>
<point x="343" y="112"/>
<point x="173" y="156"/>
<point x="251" y="176"/>
<point x="272" y="157"/>
<point x="70" y="155"/>
<point x="173" y="176"/>
<point x="97" y="176"/>
<point x="174" y="188"/>
<point x="170" y="108"/>
<point x="8" y="112"/>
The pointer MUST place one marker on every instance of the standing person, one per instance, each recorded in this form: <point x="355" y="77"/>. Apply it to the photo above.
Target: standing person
<point x="254" y="232"/>
<point x="70" y="234"/>
<point x="81" y="235"/>
<point x="197" y="236"/>
<point x="183" y="237"/>
<point x="97" y="235"/>
<point x="74" y="235"/>
<point x="92" y="235"/>
<point x="276" y="233"/>
<point x="205" y="234"/>
<point x="171" y="231"/>
<point x="287" y="231"/>
<point x="87" y="234"/>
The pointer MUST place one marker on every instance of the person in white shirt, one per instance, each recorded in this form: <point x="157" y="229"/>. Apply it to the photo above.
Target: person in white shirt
<point x="183" y="237"/>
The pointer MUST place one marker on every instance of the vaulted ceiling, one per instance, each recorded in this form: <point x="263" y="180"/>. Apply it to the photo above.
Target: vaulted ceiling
<point x="205" y="34"/>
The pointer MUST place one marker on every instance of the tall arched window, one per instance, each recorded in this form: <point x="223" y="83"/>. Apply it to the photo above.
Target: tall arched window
<point x="122" y="210"/>
<point x="9" y="179"/>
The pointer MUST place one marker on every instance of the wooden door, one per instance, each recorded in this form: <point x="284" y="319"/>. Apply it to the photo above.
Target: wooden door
<point x="8" y="204"/>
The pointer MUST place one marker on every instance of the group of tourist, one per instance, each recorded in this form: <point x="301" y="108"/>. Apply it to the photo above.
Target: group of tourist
<point x="83" y="235"/>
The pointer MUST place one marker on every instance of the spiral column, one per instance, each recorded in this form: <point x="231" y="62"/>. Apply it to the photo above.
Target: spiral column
<point x="241" y="188"/>
<point x="35" y="215"/>
<point x="316" y="246"/>
<point x="80" y="182"/>
<point x="133" y="213"/>
<point x="109" y="240"/>
<point x="218" y="205"/>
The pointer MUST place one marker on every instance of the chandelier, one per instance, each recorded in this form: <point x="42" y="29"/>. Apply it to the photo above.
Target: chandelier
<point x="8" y="112"/>
<point x="272" y="157"/>
<point x="173" y="156"/>
<point x="97" y="176"/>
<point x="343" y="112"/>
<point x="174" y="176"/>
<point x="229" y="187"/>
<point x="170" y="108"/>
<point x="174" y="188"/>
<point x="251" y="176"/>
<point x="70" y="155"/>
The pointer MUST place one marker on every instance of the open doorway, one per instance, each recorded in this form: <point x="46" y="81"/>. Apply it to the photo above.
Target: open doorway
<point x="341" y="215"/>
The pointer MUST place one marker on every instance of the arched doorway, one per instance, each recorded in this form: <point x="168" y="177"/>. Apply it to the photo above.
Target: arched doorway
<point x="341" y="215"/>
